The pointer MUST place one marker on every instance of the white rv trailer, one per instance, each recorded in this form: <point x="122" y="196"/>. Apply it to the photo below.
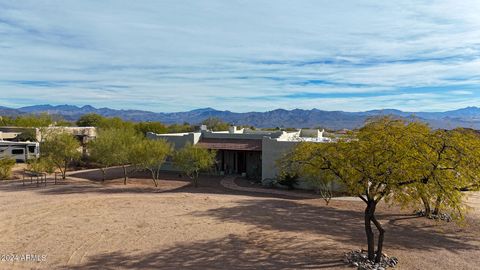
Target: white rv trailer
<point x="20" y="151"/>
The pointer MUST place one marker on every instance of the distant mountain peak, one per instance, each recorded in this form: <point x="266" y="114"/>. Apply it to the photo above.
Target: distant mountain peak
<point x="466" y="117"/>
<point x="208" y="109"/>
<point x="88" y="107"/>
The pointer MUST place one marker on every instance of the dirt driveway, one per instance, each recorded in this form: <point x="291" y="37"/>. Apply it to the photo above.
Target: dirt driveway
<point x="85" y="225"/>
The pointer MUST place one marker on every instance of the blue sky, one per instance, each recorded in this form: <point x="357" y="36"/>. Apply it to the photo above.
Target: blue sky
<point x="241" y="55"/>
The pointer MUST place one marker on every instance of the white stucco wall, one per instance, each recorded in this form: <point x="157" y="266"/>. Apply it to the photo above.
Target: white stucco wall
<point x="272" y="150"/>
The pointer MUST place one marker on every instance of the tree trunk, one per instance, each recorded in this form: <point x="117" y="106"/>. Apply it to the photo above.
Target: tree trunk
<point x="103" y="174"/>
<point x="436" y="211"/>
<point x="64" y="172"/>
<point x="154" y="178"/>
<point x="195" y="179"/>
<point x="368" y="229"/>
<point x="369" y="218"/>
<point x="426" y="204"/>
<point x="125" y="174"/>
<point x="381" y="236"/>
<point x="195" y="182"/>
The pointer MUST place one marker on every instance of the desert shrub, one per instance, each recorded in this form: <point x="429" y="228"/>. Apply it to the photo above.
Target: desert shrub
<point x="289" y="180"/>
<point x="42" y="165"/>
<point x="6" y="166"/>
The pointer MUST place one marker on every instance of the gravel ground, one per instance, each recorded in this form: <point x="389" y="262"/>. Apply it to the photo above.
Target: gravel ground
<point x="88" y="225"/>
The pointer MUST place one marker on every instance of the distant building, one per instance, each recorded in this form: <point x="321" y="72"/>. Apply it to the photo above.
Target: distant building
<point x="83" y="134"/>
<point x="252" y="153"/>
<point x="12" y="134"/>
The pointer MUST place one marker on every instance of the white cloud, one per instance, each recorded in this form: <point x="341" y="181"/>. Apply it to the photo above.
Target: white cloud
<point x="172" y="56"/>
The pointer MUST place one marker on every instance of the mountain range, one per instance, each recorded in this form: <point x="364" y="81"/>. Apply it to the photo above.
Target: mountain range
<point x="467" y="117"/>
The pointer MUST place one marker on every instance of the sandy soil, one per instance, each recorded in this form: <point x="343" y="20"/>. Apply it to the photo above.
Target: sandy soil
<point x="89" y="225"/>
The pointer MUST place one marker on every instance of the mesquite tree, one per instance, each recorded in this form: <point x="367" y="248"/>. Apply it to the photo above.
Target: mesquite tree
<point x="380" y="163"/>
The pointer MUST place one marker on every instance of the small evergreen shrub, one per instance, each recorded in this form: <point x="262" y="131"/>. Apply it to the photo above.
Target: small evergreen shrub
<point x="6" y="166"/>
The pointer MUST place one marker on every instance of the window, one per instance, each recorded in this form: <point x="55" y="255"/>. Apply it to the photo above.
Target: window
<point x="17" y="151"/>
<point x="31" y="149"/>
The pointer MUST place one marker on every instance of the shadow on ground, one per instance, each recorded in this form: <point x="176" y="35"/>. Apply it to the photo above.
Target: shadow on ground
<point x="138" y="182"/>
<point x="346" y="225"/>
<point x="256" y="251"/>
<point x="309" y="237"/>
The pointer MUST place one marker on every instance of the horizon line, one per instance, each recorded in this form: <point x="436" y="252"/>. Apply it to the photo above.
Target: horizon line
<point x="213" y="109"/>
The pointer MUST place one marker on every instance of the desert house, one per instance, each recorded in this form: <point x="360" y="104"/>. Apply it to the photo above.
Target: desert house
<point x="251" y="153"/>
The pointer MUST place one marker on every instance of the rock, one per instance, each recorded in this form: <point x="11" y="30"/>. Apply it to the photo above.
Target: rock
<point x="359" y="259"/>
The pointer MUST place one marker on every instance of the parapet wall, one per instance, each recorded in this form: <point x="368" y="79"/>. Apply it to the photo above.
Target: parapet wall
<point x="178" y="140"/>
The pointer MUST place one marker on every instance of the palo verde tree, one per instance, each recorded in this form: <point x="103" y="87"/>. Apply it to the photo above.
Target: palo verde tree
<point x="113" y="147"/>
<point x="294" y="163"/>
<point x="103" y="150"/>
<point x="443" y="163"/>
<point x="61" y="149"/>
<point x="191" y="160"/>
<point x="378" y="164"/>
<point x="150" y="155"/>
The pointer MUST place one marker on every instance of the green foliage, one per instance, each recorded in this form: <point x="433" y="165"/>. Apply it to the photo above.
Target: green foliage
<point x="113" y="147"/>
<point x="445" y="163"/>
<point x="116" y="123"/>
<point x="6" y="121"/>
<point x="150" y="155"/>
<point x="176" y="128"/>
<point x="63" y="123"/>
<point x="155" y="127"/>
<point x="289" y="180"/>
<point x="191" y="160"/>
<point x="396" y="161"/>
<point x="215" y="124"/>
<point x="41" y="165"/>
<point x="104" y="148"/>
<point x="96" y="120"/>
<point x="41" y="120"/>
<point x="90" y="120"/>
<point x="33" y="121"/>
<point x="101" y="122"/>
<point x="27" y="135"/>
<point x="61" y="149"/>
<point x="6" y="166"/>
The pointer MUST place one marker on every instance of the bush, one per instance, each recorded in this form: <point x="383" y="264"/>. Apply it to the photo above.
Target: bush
<point x="6" y="166"/>
<point x="289" y="180"/>
<point x="42" y="165"/>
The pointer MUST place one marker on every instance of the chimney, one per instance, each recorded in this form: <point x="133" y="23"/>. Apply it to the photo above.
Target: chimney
<point x="232" y="129"/>
<point x="320" y="133"/>
<point x="203" y="128"/>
